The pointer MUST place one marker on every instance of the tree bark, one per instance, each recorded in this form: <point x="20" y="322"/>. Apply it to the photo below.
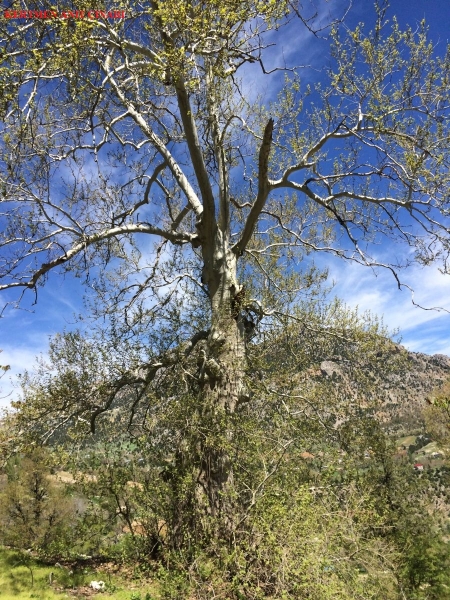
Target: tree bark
<point x="221" y="378"/>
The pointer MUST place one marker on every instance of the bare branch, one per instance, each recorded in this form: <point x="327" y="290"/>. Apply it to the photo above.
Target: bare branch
<point x="175" y="238"/>
<point x="263" y="190"/>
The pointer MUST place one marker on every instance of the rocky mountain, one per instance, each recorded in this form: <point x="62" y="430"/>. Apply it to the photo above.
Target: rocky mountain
<point x="401" y="395"/>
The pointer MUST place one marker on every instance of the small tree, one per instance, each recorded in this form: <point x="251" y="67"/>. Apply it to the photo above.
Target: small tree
<point x="35" y="514"/>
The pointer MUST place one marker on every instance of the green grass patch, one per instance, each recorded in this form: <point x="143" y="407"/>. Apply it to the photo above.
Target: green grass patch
<point x="24" y="578"/>
<point x="406" y="441"/>
<point x="428" y="449"/>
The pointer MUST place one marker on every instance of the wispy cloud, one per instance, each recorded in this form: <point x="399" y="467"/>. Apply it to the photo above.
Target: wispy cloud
<point x="24" y="333"/>
<point x="421" y="330"/>
<point x="20" y="359"/>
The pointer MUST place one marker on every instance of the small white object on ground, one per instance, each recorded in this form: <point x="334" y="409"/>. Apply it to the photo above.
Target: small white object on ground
<point x="97" y="585"/>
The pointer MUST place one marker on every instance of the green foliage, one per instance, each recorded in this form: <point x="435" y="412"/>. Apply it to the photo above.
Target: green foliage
<point x="425" y="557"/>
<point x="319" y="507"/>
<point x="437" y="415"/>
<point x="36" y="514"/>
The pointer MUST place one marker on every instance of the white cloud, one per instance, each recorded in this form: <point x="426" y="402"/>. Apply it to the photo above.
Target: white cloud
<point x="421" y="330"/>
<point x="24" y="333"/>
<point x="19" y="359"/>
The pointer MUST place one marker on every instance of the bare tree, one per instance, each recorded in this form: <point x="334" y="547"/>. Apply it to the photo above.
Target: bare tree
<point x="117" y="131"/>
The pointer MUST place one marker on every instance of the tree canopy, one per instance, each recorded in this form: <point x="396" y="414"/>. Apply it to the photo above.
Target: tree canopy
<point x="139" y="126"/>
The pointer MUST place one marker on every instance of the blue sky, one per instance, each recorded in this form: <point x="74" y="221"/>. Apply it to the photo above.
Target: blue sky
<point x="24" y="333"/>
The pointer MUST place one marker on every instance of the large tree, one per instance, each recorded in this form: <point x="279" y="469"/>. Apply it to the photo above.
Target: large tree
<point x="121" y="130"/>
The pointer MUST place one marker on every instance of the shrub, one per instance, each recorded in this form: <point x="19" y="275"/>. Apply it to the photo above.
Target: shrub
<point x="35" y="512"/>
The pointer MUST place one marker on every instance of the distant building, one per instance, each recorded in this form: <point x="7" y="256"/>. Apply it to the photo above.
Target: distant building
<point x="418" y="466"/>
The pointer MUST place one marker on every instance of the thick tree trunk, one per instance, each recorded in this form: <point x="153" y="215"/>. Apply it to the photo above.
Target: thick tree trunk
<point x="222" y="368"/>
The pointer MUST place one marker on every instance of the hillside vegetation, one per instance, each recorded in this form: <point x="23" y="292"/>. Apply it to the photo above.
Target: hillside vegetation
<point x="335" y="505"/>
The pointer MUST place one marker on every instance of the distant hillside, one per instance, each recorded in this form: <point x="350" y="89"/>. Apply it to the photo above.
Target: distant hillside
<point x="401" y="396"/>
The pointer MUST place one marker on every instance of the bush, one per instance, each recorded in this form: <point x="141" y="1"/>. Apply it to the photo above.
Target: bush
<point x="35" y="512"/>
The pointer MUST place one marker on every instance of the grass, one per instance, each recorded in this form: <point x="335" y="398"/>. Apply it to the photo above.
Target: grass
<point x="24" y="578"/>
<point x="408" y="440"/>
<point x="428" y="449"/>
